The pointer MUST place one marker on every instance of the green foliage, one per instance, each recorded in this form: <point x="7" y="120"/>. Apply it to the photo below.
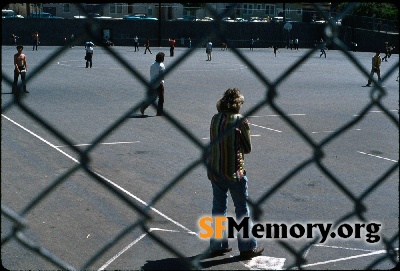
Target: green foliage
<point x="386" y="10"/>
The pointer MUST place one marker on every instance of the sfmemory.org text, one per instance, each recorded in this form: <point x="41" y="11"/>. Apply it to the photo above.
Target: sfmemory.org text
<point x="215" y="229"/>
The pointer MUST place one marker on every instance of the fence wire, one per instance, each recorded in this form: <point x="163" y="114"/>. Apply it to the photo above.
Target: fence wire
<point x="377" y="93"/>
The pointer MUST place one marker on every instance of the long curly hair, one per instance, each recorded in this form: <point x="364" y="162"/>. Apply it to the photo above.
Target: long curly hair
<point x="231" y="101"/>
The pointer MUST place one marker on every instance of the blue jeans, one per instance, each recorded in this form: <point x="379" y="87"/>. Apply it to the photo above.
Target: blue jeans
<point x="239" y="193"/>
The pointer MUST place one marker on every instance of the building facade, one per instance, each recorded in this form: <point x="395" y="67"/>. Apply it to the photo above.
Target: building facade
<point x="300" y="12"/>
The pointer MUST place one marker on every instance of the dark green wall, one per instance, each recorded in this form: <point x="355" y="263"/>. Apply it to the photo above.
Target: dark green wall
<point x="53" y="31"/>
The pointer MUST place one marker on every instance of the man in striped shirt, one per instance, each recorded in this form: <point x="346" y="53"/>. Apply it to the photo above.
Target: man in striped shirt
<point x="230" y="140"/>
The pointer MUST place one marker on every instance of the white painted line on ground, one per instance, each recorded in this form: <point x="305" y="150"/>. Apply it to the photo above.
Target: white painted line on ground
<point x="45" y="141"/>
<point x="129" y="246"/>
<point x="104" y="178"/>
<point x="346" y="258"/>
<point x="110" y="143"/>
<point x="334" y="131"/>
<point x="276" y="115"/>
<point x="322" y="132"/>
<point x="378" y="111"/>
<point x="260" y="262"/>
<point x="348" y="248"/>
<point x="266" y="128"/>
<point x="380" y="157"/>
<point x="265" y="263"/>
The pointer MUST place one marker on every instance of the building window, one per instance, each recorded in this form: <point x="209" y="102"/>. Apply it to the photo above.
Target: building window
<point x="299" y="11"/>
<point x="258" y="7"/>
<point x="247" y="9"/>
<point x="287" y="11"/>
<point x="116" y="8"/>
<point x="270" y="10"/>
<point x="66" y="8"/>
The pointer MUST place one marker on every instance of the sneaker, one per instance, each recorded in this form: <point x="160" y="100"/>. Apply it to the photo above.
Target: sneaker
<point x="142" y="110"/>
<point x="26" y="91"/>
<point x="251" y="253"/>
<point x="219" y="252"/>
<point x="367" y="85"/>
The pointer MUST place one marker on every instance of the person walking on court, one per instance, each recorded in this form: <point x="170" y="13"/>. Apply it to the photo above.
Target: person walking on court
<point x="229" y="142"/>
<point x="156" y="73"/>
<point x="388" y="51"/>
<point x="171" y="47"/>
<point x="275" y="50"/>
<point x="14" y="39"/>
<point x="296" y="44"/>
<point x="376" y="67"/>
<point x="20" y="68"/>
<point x="136" y="43"/>
<point x="72" y="41"/>
<point x="36" y="41"/>
<point x="89" y="47"/>
<point x="252" y="44"/>
<point x="209" y="50"/>
<point x="322" y="48"/>
<point x="147" y="45"/>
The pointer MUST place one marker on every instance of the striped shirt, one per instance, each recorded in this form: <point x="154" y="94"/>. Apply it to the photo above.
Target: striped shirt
<point x="226" y="160"/>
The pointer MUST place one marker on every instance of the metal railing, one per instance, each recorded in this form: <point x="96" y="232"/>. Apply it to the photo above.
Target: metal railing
<point x="376" y="95"/>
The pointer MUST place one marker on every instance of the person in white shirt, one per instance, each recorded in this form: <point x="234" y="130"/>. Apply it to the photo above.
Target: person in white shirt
<point x="156" y="73"/>
<point x="209" y="50"/>
<point x="89" y="47"/>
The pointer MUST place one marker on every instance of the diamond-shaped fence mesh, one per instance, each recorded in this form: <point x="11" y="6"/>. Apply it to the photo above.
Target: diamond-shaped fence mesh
<point x="377" y="93"/>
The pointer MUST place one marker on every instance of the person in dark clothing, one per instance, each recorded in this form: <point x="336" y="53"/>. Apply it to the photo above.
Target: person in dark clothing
<point x="147" y="45"/>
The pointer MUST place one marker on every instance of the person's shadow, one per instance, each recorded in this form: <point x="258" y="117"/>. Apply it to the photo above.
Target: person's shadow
<point x="186" y="263"/>
<point x="139" y="116"/>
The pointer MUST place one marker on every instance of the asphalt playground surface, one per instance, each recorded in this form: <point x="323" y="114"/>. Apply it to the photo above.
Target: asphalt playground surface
<point x="142" y="155"/>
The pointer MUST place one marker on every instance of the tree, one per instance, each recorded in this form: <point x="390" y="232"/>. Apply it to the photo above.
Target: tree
<point x="388" y="11"/>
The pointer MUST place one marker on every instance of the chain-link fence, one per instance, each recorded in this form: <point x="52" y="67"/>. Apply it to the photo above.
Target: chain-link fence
<point x="376" y="95"/>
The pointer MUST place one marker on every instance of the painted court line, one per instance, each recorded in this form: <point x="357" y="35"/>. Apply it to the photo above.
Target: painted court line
<point x="371" y="253"/>
<point x="45" y="141"/>
<point x="104" y="178"/>
<point x="345" y="258"/>
<point x="348" y="248"/>
<point x="275" y="264"/>
<point x="265" y="128"/>
<point x="378" y="111"/>
<point x="334" y="131"/>
<point x="129" y="246"/>
<point x="110" y="143"/>
<point x="263" y="116"/>
<point x="376" y="156"/>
